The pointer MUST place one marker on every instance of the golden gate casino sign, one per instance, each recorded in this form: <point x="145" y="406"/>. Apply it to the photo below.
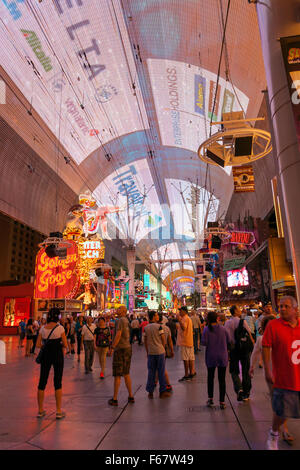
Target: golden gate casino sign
<point x="56" y="278"/>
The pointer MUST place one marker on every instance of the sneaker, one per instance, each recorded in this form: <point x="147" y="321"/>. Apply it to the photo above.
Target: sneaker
<point x="222" y="405"/>
<point x="240" y="395"/>
<point x="101" y="375"/>
<point x="272" y="442"/>
<point x="169" y="388"/>
<point x="210" y="403"/>
<point x="184" y="378"/>
<point x="164" y="394"/>
<point x="131" y="400"/>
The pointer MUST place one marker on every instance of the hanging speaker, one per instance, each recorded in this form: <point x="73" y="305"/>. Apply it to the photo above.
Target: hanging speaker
<point x="208" y="267"/>
<point x="216" y="242"/>
<point x="56" y="235"/>
<point x="51" y="251"/>
<point x="215" y="158"/>
<point x="243" y="146"/>
<point x="212" y="225"/>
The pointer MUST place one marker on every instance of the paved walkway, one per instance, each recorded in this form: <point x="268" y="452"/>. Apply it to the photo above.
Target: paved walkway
<point x="177" y="423"/>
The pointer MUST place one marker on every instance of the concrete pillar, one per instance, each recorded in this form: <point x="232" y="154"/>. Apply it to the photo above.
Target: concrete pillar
<point x="279" y="19"/>
<point x="131" y="269"/>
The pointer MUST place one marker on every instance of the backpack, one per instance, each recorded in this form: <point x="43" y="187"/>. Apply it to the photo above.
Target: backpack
<point x="243" y="343"/>
<point x="102" y="338"/>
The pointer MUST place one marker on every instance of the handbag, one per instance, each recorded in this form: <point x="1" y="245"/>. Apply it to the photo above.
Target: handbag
<point x="41" y="354"/>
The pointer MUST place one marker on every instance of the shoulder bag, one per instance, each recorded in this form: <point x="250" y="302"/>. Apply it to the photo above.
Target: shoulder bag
<point x="41" y="354"/>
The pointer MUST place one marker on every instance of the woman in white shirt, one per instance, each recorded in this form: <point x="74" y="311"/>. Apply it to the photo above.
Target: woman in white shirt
<point x="53" y="356"/>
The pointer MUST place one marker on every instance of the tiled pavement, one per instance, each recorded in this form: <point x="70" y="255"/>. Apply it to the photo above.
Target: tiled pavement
<point x="179" y="422"/>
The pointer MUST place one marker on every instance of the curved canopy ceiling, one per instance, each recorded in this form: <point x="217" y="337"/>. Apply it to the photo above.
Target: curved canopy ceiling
<point x="129" y="89"/>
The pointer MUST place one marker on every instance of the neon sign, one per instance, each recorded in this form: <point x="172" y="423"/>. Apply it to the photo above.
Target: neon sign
<point x="56" y="278"/>
<point x="242" y="238"/>
<point x="93" y="249"/>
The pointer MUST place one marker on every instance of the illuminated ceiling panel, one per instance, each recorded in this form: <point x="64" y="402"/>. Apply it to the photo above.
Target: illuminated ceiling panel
<point x="70" y="62"/>
<point x="169" y="251"/>
<point x="190" y="206"/>
<point x="184" y="101"/>
<point x="133" y="191"/>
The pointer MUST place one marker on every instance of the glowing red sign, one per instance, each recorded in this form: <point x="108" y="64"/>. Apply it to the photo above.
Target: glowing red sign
<point x="56" y="278"/>
<point x="242" y="238"/>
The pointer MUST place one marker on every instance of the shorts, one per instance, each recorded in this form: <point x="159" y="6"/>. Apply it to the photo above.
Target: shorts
<point x="121" y="362"/>
<point x="286" y="403"/>
<point x="187" y="353"/>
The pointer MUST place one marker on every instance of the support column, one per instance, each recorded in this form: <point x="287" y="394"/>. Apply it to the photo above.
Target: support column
<point x="279" y="19"/>
<point x="131" y="269"/>
<point x="159" y="285"/>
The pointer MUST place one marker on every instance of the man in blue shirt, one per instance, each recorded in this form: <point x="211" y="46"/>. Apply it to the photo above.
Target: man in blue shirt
<point x="22" y="331"/>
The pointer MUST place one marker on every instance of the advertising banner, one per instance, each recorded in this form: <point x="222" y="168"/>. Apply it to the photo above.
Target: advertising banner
<point x="184" y="95"/>
<point x="15" y="310"/>
<point x="200" y="84"/>
<point x="214" y="100"/>
<point x="291" y="56"/>
<point x="243" y="178"/>
<point x="234" y="263"/>
<point x="228" y="101"/>
<point x="203" y="300"/>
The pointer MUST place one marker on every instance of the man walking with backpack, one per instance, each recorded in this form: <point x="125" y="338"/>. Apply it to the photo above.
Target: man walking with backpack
<point x="242" y="344"/>
<point x="87" y="339"/>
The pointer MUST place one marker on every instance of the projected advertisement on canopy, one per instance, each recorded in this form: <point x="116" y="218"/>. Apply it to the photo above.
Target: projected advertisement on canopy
<point x="184" y="97"/>
<point x="132" y="191"/>
<point x="74" y="70"/>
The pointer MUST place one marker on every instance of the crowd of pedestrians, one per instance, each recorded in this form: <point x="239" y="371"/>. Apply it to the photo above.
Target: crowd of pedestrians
<point x="242" y="341"/>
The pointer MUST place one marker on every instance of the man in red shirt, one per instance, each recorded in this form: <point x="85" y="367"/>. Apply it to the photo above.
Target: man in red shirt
<point x="282" y="366"/>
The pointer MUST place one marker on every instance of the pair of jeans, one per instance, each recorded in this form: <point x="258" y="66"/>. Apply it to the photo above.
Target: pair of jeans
<point x="102" y="352"/>
<point x="35" y="337"/>
<point x="156" y="363"/>
<point x="235" y="360"/>
<point x="88" y="354"/>
<point x="78" y="343"/>
<point x="195" y="337"/>
<point x="221" y="379"/>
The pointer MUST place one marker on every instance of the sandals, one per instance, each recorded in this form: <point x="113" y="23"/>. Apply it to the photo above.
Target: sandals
<point x="113" y="402"/>
<point x="60" y="415"/>
<point x="287" y="437"/>
<point x="41" y="414"/>
<point x="131" y="400"/>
